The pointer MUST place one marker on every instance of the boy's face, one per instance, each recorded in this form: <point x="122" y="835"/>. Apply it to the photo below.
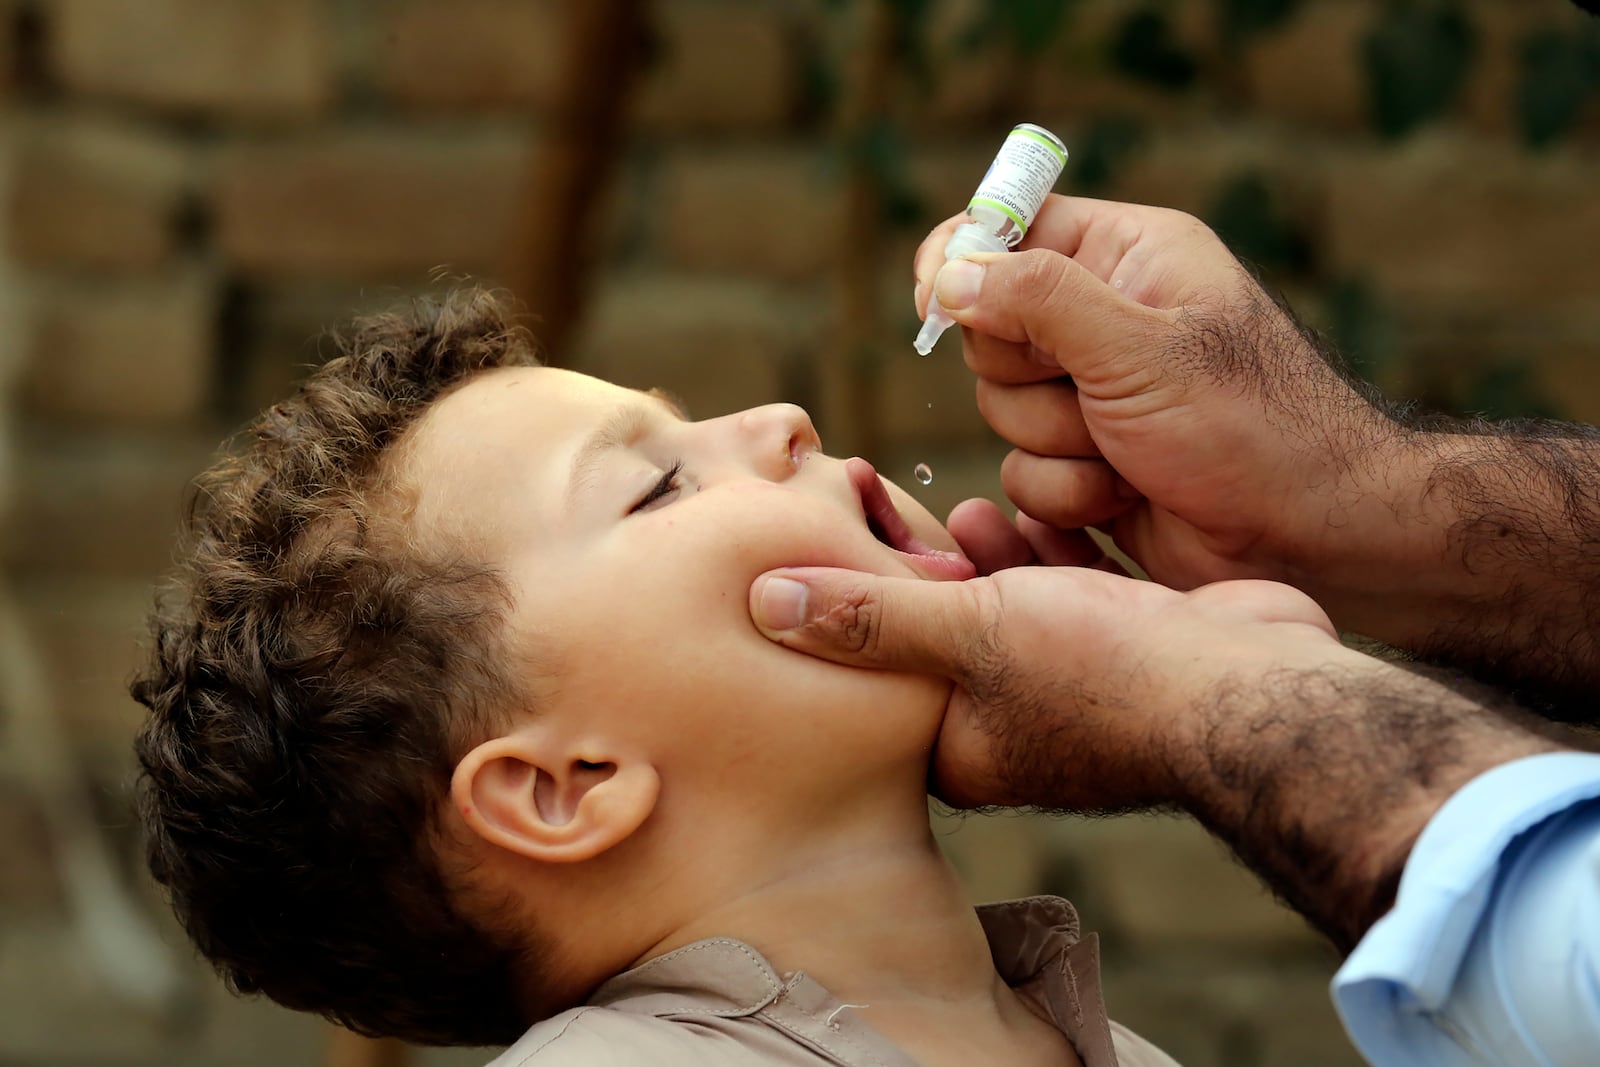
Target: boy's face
<point x="630" y="537"/>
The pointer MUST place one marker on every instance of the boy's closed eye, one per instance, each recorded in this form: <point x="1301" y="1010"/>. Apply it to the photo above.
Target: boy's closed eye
<point x="665" y="487"/>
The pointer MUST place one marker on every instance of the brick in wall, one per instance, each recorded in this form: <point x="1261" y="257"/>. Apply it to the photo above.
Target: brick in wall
<point x="719" y="65"/>
<point x="245" y="58"/>
<point x="772" y="212"/>
<point x="1501" y="29"/>
<point x="714" y="65"/>
<point x="29" y="881"/>
<point x="135" y="349"/>
<point x="286" y="331"/>
<point x="1072" y="79"/>
<point x="1224" y="1009"/>
<point x="1165" y="882"/>
<point x="719" y="346"/>
<point x="90" y="633"/>
<point x="473" y="53"/>
<point x="100" y="502"/>
<point x="942" y="173"/>
<point x="1310" y="71"/>
<point x="1455" y="218"/>
<point x="371" y="203"/>
<point x="88" y="192"/>
<point x="1188" y="171"/>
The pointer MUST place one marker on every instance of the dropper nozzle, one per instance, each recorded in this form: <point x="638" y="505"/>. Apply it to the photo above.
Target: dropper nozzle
<point x="937" y="322"/>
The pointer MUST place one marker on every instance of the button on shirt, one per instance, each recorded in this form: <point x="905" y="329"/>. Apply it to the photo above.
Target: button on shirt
<point x="1491" y="954"/>
<point x="718" y="1002"/>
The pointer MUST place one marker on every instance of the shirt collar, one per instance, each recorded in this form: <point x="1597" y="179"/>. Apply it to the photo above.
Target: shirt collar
<point x="723" y="976"/>
<point x="1035" y="942"/>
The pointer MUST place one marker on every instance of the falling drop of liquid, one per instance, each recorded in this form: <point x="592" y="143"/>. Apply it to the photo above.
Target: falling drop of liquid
<point x="930" y="407"/>
<point x="924" y="474"/>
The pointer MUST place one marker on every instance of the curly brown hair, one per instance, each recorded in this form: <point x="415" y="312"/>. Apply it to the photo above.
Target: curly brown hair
<point x="314" y="679"/>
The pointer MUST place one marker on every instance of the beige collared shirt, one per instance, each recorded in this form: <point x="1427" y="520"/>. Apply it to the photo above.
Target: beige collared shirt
<point x="718" y="1003"/>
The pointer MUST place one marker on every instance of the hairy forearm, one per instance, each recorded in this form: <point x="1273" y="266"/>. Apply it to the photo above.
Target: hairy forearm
<point x="1321" y="778"/>
<point x="1478" y="546"/>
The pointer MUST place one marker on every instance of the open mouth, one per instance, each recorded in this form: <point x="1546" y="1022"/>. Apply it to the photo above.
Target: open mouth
<point x="888" y="527"/>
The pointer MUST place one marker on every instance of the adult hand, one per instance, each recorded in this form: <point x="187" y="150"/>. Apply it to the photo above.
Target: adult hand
<point x="1203" y="429"/>
<point x="1199" y="425"/>
<point x="1074" y="688"/>
<point x="1085" y="691"/>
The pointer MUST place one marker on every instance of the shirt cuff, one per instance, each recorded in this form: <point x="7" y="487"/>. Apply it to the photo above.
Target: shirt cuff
<point x="1404" y="969"/>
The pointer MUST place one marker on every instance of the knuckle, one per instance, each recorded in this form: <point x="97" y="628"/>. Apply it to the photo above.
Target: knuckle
<point x="1039" y="275"/>
<point x="854" y="621"/>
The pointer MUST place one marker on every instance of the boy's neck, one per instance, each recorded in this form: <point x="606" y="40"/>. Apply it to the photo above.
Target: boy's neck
<point x="882" y="921"/>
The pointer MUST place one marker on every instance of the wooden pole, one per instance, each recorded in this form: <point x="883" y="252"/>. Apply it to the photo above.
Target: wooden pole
<point x="851" y="370"/>
<point x="582" y="139"/>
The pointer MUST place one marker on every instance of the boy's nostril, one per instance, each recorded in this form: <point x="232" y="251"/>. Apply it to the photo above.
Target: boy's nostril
<point x="798" y="448"/>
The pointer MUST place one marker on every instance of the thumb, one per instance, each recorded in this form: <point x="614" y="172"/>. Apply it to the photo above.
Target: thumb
<point x="865" y="620"/>
<point x="1048" y="300"/>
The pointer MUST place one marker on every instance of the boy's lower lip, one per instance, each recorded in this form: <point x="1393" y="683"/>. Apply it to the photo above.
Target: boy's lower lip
<point x="877" y="507"/>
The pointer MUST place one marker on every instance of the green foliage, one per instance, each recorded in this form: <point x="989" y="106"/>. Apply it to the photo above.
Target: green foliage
<point x="1360" y="327"/>
<point x="882" y="150"/>
<point x="1507" y="389"/>
<point x="1417" y="57"/>
<point x="1031" y="24"/>
<point x="1245" y="215"/>
<point x="1559" y="77"/>
<point x="1099" y="149"/>
<point x="1145" y="49"/>
<point x="1242" y="19"/>
<point x="1028" y="26"/>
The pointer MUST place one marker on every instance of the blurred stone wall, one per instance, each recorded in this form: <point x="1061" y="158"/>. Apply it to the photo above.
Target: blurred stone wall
<point x="195" y="188"/>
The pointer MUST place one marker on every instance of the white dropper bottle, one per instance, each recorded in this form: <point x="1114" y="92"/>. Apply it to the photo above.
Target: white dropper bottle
<point x="1007" y="200"/>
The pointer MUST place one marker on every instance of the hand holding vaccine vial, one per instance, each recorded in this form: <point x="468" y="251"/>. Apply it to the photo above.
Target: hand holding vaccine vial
<point x="1008" y="198"/>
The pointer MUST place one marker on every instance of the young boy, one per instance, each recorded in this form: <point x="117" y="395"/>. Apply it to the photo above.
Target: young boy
<point x="459" y="723"/>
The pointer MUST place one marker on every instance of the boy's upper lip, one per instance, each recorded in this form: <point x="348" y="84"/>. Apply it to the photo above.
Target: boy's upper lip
<point x="879" y="510"/>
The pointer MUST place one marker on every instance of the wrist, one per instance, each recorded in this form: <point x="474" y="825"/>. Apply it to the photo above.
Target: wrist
<point x="1225" y="697"/>
<point x="1378" y="551"/>
<point x="1322" y="777"/>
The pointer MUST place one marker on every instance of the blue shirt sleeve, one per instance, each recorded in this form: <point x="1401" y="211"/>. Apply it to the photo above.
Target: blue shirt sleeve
<point x="1491" y="954"/>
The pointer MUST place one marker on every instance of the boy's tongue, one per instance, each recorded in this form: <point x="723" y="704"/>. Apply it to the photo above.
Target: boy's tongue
<point x="880" y="512"/>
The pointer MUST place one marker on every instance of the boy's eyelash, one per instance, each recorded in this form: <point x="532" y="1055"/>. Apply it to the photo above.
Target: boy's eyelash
<point x="668" y="482"/>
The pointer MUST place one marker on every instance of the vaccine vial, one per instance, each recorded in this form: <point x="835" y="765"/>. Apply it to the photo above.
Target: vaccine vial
<point x="1009" y="197"/>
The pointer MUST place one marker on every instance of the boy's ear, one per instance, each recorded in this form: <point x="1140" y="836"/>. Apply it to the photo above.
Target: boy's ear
<point x="551" y="800"/>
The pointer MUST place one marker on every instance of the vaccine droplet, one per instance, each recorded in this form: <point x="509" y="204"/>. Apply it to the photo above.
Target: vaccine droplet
<point x="1117" y="283"/>
<point x="924" y="474"/>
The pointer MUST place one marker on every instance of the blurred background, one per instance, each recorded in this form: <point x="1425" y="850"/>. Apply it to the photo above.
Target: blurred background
<point x="720" y="197"/>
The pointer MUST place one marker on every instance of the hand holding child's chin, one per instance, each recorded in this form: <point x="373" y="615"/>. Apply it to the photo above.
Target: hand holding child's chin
<point x="1074" y="688"/>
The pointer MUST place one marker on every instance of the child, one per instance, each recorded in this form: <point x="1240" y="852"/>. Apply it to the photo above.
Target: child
<point x="459" y="723"/>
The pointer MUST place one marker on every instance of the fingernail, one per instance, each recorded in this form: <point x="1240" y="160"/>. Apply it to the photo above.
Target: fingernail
<point x="782" y="605"/>
<point x="957" y="284"/>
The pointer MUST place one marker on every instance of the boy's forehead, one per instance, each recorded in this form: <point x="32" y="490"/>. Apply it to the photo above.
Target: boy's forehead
<point x="504" y="434"/>
<point x="513" y="407"/>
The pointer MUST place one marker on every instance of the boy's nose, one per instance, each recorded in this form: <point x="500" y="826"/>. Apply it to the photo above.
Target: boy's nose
<point x="780" y="437"/>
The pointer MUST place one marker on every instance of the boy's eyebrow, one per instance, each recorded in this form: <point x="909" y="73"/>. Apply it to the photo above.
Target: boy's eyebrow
<point x="674" y="405"/>
<point x="621" y="427"/>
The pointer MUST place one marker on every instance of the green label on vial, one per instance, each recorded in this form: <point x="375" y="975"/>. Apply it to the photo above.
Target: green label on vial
<point x="1021" y="176"/>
